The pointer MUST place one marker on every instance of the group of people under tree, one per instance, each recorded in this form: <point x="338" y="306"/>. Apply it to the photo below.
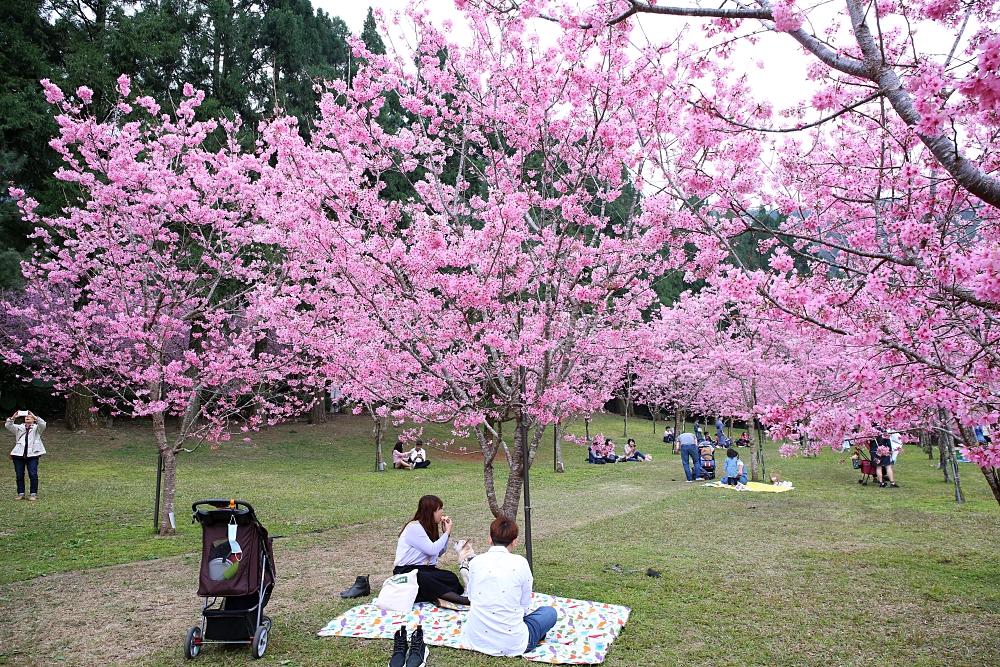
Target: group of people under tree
<point x="497" y="584"/>
<point x="412" y="459"/>
<point x="602" y="451"/>
<point x="691" y="450"/>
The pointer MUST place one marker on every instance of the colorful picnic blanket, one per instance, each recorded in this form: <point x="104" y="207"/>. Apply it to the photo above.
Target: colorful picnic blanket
<point x="753" y="486"/>
<point x="581" y="636"/>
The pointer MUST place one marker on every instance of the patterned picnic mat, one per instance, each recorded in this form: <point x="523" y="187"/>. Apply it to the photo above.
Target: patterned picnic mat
<point x="581" y="636"/>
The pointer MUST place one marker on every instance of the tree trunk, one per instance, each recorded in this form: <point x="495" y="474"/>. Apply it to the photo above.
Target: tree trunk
<point x="490" y="448"/>
<point x="756" y="451"/>
<point x="169" y="488"/>
<point x="943" y="457"/>
<point x="927" y="443"/>
<point x="317" y="413"/>
<point x="628" y="397"/>
<point x="586" y="426"/>
<point x="993" y="480"/>
<point x="557" y="436"/>
<point x="948" y="447"/>
<point x="678" y="413"/>
<point x="79" y="414"/>
<point x="379" y="436"/>
<point x="512" y="495"/>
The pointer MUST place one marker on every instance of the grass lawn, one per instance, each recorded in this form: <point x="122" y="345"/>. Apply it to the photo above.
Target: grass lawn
<point x="828" y="574"/>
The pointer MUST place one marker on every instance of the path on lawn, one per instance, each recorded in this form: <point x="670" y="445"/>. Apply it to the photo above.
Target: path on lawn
<point x="121" y="613"/>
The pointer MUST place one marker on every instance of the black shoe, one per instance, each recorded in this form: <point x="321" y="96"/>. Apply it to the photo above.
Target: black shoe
<point x="882" y="485"/>
<point x="360" y="588"/>
<point x="893" y="485"/>
<point x="417" y="656"/>
<point x="398" y="658"/>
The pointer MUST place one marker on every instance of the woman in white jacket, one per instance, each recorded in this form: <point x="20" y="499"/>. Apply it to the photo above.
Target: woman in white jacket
<point x="28" y="448"/>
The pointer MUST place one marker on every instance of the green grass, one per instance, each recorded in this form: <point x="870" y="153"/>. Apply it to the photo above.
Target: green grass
<point x="828" y="574"/>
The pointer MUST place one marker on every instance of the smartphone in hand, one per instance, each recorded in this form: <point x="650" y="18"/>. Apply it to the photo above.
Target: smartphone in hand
<point x="22" y="413"/>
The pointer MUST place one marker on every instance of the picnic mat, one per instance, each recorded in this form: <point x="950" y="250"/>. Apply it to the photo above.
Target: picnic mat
<point x="753" y="486"/>
<point x="581" y="636"/>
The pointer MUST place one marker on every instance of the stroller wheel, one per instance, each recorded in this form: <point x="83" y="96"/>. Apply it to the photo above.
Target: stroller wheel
<point x="192" y="645"/>
<point x="259" y="644"/>
<point x="266" y="620"/>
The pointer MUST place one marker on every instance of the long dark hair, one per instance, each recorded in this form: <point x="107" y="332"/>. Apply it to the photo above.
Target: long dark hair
<point x="425" y="516"/>
<point x="398" y="447"/>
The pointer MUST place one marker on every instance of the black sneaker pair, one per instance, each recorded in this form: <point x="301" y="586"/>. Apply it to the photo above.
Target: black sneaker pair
<point x="417" y="655"/>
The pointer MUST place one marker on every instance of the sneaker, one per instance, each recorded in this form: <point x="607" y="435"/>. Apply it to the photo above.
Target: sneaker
<point x="398" y="658"/>
<point x="417" y="657"/>
<point x="689" y="480"/>
<point x="882" y="485"/>
<point x="893" y="485"/>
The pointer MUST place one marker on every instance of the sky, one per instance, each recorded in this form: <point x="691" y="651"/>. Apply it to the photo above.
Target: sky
<point x="783" y="62"/>
<point x="775" y="66"/>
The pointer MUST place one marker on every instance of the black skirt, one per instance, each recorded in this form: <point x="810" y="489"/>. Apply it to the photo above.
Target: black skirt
<point x="432" y="583"/>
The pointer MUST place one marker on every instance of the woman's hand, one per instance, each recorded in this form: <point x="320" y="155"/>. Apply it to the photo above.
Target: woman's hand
<point x="446" y="525"/>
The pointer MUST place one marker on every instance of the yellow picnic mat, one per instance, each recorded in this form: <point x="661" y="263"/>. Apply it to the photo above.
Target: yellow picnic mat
<point x="753" y="486"/>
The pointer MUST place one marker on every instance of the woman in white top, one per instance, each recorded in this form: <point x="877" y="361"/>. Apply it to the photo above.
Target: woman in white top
<point x="418" y="548"/>
<point x="27" y="448"/>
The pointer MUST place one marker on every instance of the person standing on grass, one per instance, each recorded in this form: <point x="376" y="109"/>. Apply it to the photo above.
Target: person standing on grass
<point x="880" y="449"/>
<point x="698" y="432"/>
<point x="27" y="450"/>
<point x="689" y="449"/>
<point x="500" y="621"/>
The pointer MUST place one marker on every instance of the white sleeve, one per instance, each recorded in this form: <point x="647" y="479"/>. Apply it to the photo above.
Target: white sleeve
<point x="416" y="537"/>
<point x="529" y="583"/>
<point x="10" y="425"/>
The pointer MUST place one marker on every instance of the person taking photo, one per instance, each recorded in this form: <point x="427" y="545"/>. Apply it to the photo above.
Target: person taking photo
<point x="28" y="448"/>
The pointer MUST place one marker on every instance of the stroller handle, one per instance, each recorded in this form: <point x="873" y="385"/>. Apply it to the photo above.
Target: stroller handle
<point x="222" y="503"/>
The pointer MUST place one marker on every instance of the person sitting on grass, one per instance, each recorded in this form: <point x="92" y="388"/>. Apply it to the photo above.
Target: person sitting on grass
<point x="632" y="452"/>
<point x="609" y="451"/>
<point x="420" y="543"/>
<point x="736" y="471"/>
<point x="399" y="457"/>
<point x="417" y="457"/>
<point x="500" y="621"/>
<point x="744" y="440"/>
<point x="668" y="435"/>
<point x="594" y="453"/>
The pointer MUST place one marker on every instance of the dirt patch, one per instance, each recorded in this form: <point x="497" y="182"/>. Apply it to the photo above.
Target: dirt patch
<point x="120" y="614"/>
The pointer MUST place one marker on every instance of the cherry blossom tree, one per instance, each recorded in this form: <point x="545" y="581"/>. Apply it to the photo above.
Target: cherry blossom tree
<point x="155" y="288"/>
<point x="886" y="180"/>
<point x="511" y="278"/>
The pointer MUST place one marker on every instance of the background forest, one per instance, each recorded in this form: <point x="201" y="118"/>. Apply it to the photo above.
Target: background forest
<point x="248" y="57"/>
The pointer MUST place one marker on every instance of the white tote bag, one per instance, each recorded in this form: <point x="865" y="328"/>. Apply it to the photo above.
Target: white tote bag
<point x="398" y="592"/>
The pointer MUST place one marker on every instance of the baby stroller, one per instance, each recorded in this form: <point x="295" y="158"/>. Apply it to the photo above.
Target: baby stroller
<point x="861" y="461"/>
<point x="707" y="453"/>
<point x="237" y="575"/>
